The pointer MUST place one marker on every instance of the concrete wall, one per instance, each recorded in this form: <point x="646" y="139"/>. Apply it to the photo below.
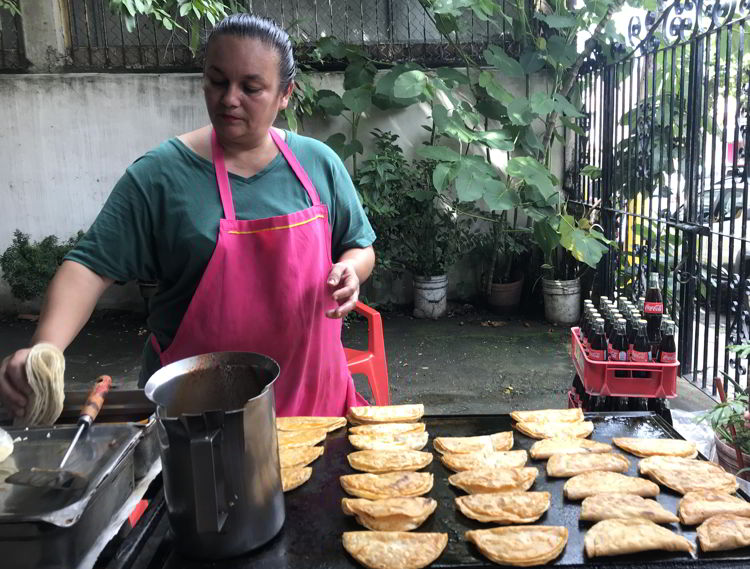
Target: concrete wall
<point x="65" y="139"/>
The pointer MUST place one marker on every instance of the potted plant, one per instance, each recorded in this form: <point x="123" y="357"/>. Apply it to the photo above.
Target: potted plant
<point x="432" y="238"/>
<point x="727" y="419"/>
<point x="500" y="251"/>
<point x="569" y="247"/>
<point x="417" y="232"/>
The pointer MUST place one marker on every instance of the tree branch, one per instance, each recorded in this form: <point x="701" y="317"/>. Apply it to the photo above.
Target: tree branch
<point x="573" y="73"/>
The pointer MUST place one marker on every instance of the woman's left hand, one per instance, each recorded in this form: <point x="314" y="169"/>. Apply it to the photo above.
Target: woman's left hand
<point x="343" y="283"/>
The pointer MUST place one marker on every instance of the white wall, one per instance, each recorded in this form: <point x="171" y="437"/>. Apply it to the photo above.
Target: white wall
<point x="65" y="139"/>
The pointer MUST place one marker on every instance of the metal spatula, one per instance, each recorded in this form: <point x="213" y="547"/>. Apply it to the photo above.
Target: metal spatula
<point x="57" y="478"/>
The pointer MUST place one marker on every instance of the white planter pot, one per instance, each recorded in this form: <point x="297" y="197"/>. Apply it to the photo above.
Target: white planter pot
<point x="430" y="296"/>
<point x="562" y="301"/>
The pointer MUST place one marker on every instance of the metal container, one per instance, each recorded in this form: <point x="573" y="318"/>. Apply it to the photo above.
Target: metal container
<point x="49" y="529"/>
<point x="216" y="426"/>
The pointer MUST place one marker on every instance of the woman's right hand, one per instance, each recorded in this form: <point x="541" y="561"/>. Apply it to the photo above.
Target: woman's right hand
<point x="747" y="419"/>
<point x="14" y="387"/>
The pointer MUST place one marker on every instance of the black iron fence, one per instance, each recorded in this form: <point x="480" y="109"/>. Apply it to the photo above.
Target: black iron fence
<point x="11" y="43"/>
<point x="667" y="126"/>
<point x="390" y="30"/>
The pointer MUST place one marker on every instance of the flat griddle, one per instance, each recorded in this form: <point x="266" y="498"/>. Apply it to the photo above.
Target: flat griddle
<point x="311" y="536"/>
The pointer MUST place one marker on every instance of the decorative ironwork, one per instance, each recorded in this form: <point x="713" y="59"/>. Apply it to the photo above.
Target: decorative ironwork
<point x="681" y="21"/>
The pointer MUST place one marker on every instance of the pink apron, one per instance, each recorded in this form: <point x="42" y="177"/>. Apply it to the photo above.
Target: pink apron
<point x="264" y="290"/>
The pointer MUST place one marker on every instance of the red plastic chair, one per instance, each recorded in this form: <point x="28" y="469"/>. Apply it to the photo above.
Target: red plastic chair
<point x="372" y="362"/>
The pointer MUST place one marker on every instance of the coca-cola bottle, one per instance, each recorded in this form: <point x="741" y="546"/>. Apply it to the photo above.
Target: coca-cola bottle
<point x="668" y="348"/>
<point x="602" y="301"/>
<point x="610" y="331"/>
<point x="653" y="309"/>
<point x="619" y="350"/>
<point x="641" y="352"/>
<point x="634" y="319"/>
<point x="587" y="305"/>
<point x="598" y="350"/>
<point x="629" y="329"/>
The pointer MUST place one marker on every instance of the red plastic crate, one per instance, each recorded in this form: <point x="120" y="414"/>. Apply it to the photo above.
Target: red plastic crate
<point x="617" y="378"/>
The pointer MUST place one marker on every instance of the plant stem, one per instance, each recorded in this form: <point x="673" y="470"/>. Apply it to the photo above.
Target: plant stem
<point x="573" y="73"/>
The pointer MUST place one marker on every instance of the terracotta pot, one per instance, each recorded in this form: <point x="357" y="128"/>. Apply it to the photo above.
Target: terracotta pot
<point x="506" y="296"/>
<point x="727" y="457"/>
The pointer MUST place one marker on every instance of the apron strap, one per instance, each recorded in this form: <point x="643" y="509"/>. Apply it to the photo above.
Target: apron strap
<point x="222" y="178"/>
<point x="297" y="168"/>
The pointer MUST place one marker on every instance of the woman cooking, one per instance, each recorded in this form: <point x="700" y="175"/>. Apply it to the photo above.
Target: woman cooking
<point x="239" y="223"/>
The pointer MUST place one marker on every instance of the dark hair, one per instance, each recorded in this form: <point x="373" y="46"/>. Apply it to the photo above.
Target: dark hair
<point x="265" y="30"/>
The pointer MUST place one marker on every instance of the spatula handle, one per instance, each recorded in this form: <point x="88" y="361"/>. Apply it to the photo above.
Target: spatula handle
<point x="95" y="400"/>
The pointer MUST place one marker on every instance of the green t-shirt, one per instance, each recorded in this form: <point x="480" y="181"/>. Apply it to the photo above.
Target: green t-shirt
<point x="160" y="223"/>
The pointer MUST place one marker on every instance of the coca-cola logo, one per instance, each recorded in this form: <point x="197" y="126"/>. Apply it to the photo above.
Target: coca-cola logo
<point x="653" y="308"/>
<point x="597" y="355"/>
<point x="668" y="357"/>
<point x="639" y="357"/>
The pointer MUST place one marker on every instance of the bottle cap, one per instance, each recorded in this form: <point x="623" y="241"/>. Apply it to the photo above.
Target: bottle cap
<point x="642" y="321"/>
<point x="599" y="320"/>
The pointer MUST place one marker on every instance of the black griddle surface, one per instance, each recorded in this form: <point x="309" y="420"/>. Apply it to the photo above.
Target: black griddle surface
<point x="311" y="536"/>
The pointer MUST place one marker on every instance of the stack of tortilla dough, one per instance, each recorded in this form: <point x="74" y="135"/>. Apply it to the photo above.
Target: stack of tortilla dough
<point x="552" y="423"/>
<point x="390" y="500"/>
<point x="498" y="481"/>
<point x="298" y="438"/>
<point x="45" y="372"/>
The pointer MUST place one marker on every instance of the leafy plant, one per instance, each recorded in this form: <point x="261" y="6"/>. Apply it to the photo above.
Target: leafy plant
<point x="731" y="413"/>
<point x="474" y="112"/>
<point x="28" y="267"/>
<point x="500" y="250"/>
<point x="10" y="6"/>
<point x="383" y="182"/>
<point x="172" y="14"/>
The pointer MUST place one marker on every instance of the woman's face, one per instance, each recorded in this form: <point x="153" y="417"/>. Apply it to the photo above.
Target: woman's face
<point x="242" y="87"/>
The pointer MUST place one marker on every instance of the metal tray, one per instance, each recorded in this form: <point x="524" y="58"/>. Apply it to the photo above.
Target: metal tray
<point x="50" y="528"/>
<point x="311" y="536"/>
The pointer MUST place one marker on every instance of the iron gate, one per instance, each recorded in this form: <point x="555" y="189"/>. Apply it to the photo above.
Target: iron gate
<point x="665" y="128"/>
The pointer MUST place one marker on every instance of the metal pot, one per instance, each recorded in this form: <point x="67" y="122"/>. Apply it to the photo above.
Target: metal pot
<point x="217" y="438"/>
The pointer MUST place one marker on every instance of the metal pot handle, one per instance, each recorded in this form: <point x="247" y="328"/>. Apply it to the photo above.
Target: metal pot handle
<point x="207" y="470"/>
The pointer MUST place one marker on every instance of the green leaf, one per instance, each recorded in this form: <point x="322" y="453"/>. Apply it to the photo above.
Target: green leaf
<point x="358" y="100"/>
<point x="497" y="139"/>
<point x="500" y="197"/>
<point x="359" y="73"/>
<point x="542" y="104"/>
<point x="492" y="109"/>
<point x="441" y="176"/>
<point x="410" y="84"/>
<point x="337" y="142"/>
<point x="439" y="153"/>
<point x="509" y="67"/>
<point x="593" y="172"/>
<point x="495" y="89"/>
<point x="291" y="119"/>
<point x="546" y="237"/>
<point x="468" y="187"/>
<point x="519" y="111"/>
<point x="532" y="140"/>
<point x="330" y="102"/>
<point x="557" y="21"/>
<point x="450" y="75"/>
<point x="129" y="24"/>
<point x="534" y="174"/>
<point x="167" y="23"/>
<point x="532" y="61"/>
<point x="446" y="24"/>
<point x="184" y="9"/>
<point x="564" y="107"/>
<point x="211" y="18"/>
<point x="571" y="125"/>
<point x="561" y="52"/>
<point x="330" y="46"/>
<point x="586" y="248"/>
<point x="384" y="97"/>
